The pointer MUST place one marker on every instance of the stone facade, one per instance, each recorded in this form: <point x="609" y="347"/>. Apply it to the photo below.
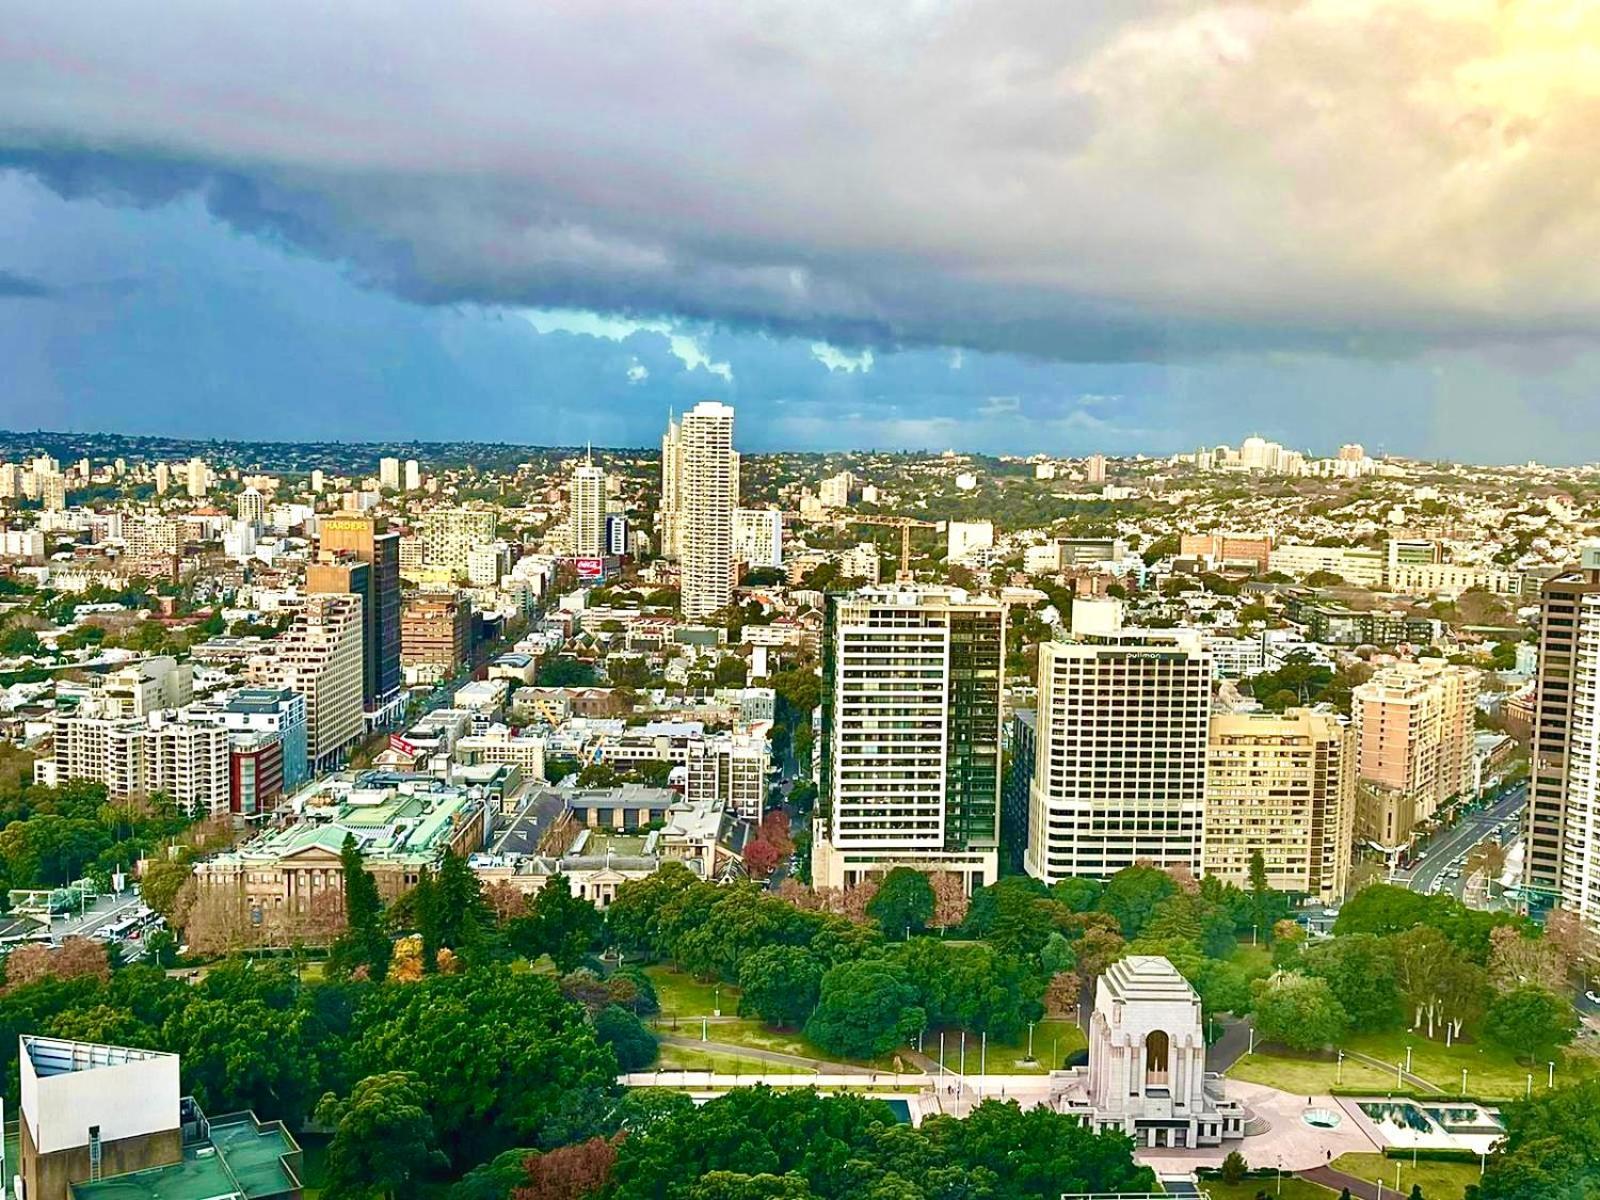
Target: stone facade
<point x="1147" y="1062"/>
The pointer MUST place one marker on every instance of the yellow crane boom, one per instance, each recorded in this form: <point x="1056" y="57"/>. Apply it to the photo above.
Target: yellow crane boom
<point x="905" y="525"/>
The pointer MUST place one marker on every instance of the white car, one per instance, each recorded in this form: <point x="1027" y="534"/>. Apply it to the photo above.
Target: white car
<point x="1592" y="997"/>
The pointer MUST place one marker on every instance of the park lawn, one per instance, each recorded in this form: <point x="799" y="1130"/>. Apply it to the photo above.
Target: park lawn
<point x="1010" y="1058"/>
<point x="1439" y="1180"/>
<point x="1256" y="961"/>
<point x="1293" y="1189"/>
<point x="684" y="1058"/>
<point x="683" y="995"/>
<point x="752" y="1033"/>
<point x="1309" y="1077"/>
<point x="1492" y="1071"/>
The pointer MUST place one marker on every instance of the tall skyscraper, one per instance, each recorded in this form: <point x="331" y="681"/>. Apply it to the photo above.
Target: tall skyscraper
<point x="320" y="657"/>
<point x="911" y="687"/>
<point x="413" y="475"/>
<point x="1095" y="469"/>
<point x="1283" y="784"/>
<point x="354" y="537"/>
<point x="1563" y="815"/>
<point x="317" y="480"/>
<point x="163" y="478"/>
<point x="1120" y="767"/>
<point x="1414" y="746"/>
<point x="708" y="496"/>
<point x="587" y="518"/>
<point x="669" y="519"/>
<point x="389" y="473"/>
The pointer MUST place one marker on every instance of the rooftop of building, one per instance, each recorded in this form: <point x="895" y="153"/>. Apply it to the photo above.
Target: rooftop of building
<point x="628" y="795"/>
<point x="59" y="1056"/>
<point x="392" y="815"/>
<point x="240" y="1157"/>
<point x="259" y="700"/>
<point x="1147" y="977"/>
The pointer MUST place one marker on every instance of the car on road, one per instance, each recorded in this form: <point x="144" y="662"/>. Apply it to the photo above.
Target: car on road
<point x="1592" y="997"/>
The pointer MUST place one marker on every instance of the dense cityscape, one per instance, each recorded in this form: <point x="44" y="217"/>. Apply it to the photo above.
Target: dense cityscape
<point x="461" y="821"/>
<point x="959" y="600"/>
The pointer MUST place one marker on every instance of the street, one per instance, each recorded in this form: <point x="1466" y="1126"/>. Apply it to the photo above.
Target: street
<point x="1451" y="848"/>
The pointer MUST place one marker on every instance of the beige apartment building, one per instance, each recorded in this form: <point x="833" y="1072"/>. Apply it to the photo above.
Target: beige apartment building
<point x="1283" y="784"/>
<point x="135" y="757"/>
<point x="321" y="656"/>
<point x="1413" y="724"/>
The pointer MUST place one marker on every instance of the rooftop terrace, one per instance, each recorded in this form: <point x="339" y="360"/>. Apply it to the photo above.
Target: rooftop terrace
<point x="242" y="1158"/>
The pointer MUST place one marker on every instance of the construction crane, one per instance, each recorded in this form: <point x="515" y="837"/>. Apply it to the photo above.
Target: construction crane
<point x="905" y="525"/>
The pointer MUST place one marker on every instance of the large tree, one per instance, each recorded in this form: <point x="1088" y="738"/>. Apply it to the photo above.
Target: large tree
<point x="557" y="923"/>
<point x="1550" y="1150"/>
<point x="1359" y="969"/>
<point x="508" y="1061"/>
<point x="383" y="1138"/>
<point x="1531" y="1021"/>
<point x="365" y="942"/>
<point x="903" y="903"/>
<point x="1132" y="896"/>
<point x="780" y="984"/>
<point x="864" y="1009"/>
<point x="1298" y="1011"/>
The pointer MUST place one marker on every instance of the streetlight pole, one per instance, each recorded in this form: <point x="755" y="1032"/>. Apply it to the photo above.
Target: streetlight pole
<point x="1030" y="1041"/>
<point x="983" y="1060"/>
<point x="1252" y="1049"/>
<point x="1552" y="1081"/>
<point x="1338" y="1078"/>
<point x="1463" y="1083"/>
<point x="1408" y="1060"/>
<point x="716" y="1001"/>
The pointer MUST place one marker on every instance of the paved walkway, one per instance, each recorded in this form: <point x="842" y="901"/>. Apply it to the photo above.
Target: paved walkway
<point x="1360" y="1189"/>
<point x="1230" y="1047"/>
<point x="1290" y="1143"/>
<point x="1387" y="1066"/>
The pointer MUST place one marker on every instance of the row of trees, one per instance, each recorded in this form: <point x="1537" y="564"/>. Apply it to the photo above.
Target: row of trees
<point x="1432" y="964"/>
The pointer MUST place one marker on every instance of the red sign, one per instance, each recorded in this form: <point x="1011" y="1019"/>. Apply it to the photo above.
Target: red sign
<point x="397" y="742"/>
<point x="589" y="569"/>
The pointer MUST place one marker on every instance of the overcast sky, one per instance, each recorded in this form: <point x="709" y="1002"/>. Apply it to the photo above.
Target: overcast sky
<point x="1065" y="225"/>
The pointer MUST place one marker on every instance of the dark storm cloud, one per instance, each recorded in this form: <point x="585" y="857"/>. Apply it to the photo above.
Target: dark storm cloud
<point x="21" y="287"/>
<point x="1136" y="180"/>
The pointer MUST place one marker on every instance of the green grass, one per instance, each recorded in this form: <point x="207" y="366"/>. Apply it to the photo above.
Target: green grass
<point x="683" y="1058"/>
<point x="1009" y="1058"/>
<point x="1492" y="1071"/>
<point x="1256" y="960"/>
<point x="1439" y="1180"/>
<point x="1309" y="1077"/>
<point x="749" y="1032"/>
<point x="685" y="996"/>
<point x="1293" y="1189"/>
